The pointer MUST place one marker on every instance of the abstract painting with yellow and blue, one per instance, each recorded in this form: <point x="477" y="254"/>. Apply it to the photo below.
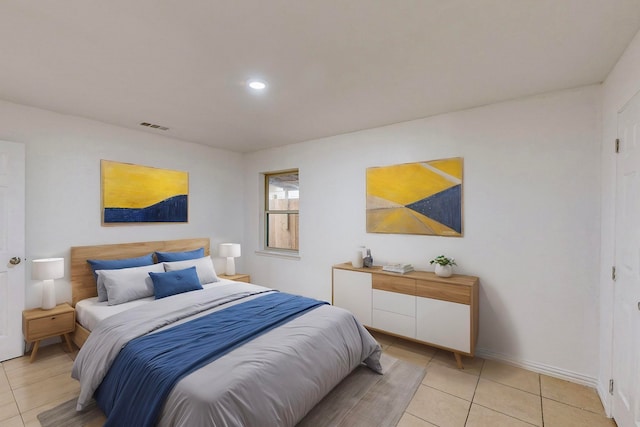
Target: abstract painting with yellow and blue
<point x="416" y="198"/>
<point x="133" y="193"/>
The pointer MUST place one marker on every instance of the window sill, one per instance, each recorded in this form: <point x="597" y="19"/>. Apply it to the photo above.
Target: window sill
<point x="278" y="254"/>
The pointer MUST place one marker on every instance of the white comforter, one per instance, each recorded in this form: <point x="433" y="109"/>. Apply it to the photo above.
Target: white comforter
<point x="273" y="380"/>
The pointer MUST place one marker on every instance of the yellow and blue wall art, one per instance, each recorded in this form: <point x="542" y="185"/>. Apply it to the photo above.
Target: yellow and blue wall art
<point x="416" y="198"/>
<point x="133" y="194"/>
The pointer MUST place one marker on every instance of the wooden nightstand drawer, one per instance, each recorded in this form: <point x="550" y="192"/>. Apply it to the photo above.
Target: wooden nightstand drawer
<point x="56" y="324"/>
<point x="237" y="277"/>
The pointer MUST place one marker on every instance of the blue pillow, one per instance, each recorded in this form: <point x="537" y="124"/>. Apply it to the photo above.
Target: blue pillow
<point x="179" y="256"/>
<point x="175" y="282"/>
<point x="116" y="264"/>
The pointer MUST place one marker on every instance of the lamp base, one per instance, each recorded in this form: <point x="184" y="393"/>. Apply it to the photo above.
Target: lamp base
<point x="48" y="295"/>
<point x="231" y="266"/>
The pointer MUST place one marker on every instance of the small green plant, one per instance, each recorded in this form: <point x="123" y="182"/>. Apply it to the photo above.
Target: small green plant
<point x="443" y="260"/>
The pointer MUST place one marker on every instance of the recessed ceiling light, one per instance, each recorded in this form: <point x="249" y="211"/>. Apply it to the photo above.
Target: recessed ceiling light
<point x="257" y="84"/>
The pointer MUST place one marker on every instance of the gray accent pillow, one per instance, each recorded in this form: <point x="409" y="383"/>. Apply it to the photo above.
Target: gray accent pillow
<point x="204" y="268"/>
<point x="114" y="264"/>
<point x="128" y="284"/>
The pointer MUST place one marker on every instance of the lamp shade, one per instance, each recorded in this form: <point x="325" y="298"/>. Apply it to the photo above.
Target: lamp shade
<point x="47" y="268"/>
<point x="230" y="250"/>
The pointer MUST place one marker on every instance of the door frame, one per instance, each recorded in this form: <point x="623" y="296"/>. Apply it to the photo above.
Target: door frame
<point x="609" y="402"/>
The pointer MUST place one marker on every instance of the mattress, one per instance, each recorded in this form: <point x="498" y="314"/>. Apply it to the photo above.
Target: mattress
<point x="89" y="312"/>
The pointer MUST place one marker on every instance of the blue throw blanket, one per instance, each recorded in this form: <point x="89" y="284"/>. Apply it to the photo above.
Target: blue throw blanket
<point x="147" y="368"/>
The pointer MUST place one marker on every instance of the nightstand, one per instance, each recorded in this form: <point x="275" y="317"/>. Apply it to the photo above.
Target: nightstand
<point x="38" y="324"/>
<point x="237" y="277"/>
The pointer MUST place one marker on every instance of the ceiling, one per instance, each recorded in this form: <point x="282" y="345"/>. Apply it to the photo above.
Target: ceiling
<point x="332" y="66"/>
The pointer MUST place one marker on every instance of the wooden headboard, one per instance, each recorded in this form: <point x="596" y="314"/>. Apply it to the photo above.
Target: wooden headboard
<point x="83" y="284"/>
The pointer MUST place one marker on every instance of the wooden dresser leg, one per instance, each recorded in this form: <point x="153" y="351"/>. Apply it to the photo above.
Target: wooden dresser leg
<point x="34" y="351"/>
<point x="458" y="360"/>
<point x="66" y="337"/>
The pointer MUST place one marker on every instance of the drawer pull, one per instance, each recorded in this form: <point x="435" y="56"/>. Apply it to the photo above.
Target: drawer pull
<point x="53" y="318"/>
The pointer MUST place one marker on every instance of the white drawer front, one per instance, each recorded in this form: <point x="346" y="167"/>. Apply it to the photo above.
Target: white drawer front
<point x="394" y="302"/>
<point x="394" y="323"/>
<point x="444" y="323"/>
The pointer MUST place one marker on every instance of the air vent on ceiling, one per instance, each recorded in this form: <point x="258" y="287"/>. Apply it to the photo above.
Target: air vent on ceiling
<point x="154" y="126"/>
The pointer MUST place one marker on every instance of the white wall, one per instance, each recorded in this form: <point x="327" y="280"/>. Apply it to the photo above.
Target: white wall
<point x="531" y="211"/>
<point x="620" y="86"/>
<point x="63" y="185"/>
<point x="531" y="219"/>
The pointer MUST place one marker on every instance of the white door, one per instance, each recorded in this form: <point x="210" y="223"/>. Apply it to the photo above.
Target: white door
<point x="12" y="265"/>
<point x="626" y="310"/>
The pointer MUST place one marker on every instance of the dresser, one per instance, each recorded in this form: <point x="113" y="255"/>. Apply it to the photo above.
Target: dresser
<point x="420" y="306"/>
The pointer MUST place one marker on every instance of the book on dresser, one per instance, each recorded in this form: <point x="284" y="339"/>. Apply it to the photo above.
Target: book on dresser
<point x="398" y="268"/>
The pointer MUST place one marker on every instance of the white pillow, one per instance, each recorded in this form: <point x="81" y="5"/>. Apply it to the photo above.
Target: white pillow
<point x="128" y="284"/>
<point x="102" y="291"/>
<point x="204" y="268"/>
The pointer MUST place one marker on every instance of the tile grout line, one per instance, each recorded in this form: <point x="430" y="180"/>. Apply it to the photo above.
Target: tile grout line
<point x="426" y="372"/>
<point x="472" y="397"/>
<point x="515" y="388"/>
<point x="419" y="385"/>
<point x="576" y="407"/>
<point x="506" y="415"/>
<point x="4" y="372"/>
<point x="474" y="394"/>
<point x="30" y="367"/>
<point x="510" y="386"/>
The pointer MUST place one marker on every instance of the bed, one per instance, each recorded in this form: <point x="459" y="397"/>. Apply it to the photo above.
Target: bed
<point x="272" y="379"/>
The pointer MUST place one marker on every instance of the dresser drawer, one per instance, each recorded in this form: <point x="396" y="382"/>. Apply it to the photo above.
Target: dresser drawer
<point x="394" y="302"/>
<point x="402" y="285"/>
<point x="44" y="327"/>
<point x="443" y="291"/>
<point x="394" y="323"/>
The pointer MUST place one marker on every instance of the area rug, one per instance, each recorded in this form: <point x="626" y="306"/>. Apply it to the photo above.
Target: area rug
<point x="363" y="398"/>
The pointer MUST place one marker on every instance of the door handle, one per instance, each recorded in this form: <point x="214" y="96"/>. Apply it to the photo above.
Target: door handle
<point x="15" y="260"/>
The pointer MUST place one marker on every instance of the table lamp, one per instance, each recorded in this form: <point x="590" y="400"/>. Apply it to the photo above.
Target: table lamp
<point x="48" y="269"/>
<point x="230" y="251"/>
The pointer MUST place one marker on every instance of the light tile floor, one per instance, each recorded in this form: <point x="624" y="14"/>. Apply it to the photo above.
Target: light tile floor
<point x="485" y="394"/>
<point x="491" y="394"/>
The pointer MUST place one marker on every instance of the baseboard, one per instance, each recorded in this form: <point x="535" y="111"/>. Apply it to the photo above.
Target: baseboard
<point x="540" y="368"/>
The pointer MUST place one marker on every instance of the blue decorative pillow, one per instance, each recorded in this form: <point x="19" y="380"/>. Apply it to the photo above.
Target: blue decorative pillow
<point x="175" y="282"/>
<point x="179" y="256"/>
<point x="115" y="264"/>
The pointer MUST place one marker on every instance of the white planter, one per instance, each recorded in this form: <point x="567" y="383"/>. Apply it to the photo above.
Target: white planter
<point x="443" y="270"/>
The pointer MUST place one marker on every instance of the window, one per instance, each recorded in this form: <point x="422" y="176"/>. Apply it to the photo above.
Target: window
<point x="282" y="196"/>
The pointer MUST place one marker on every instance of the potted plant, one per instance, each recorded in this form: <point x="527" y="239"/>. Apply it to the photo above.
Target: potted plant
<point x="444" y="265"/>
